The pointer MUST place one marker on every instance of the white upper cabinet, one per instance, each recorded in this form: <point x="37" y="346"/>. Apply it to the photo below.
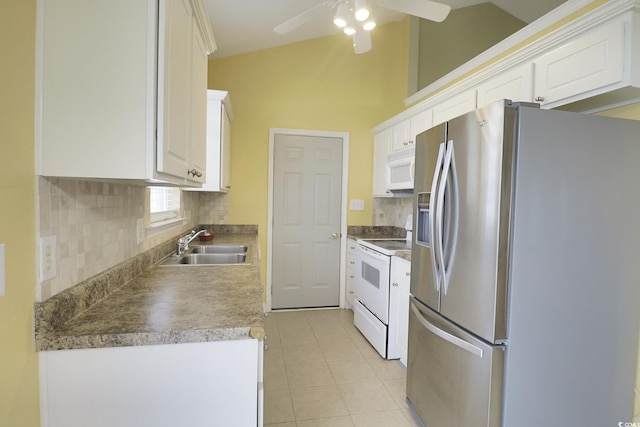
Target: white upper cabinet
<point x="420" y="122"/>
<point x="582" y="67"/>
<point x="175" y="85"/>
<point x="401" y="136"/>
<point x="515" y="84"/>
<point x="381" y="148"/>
<point x="198" y="149"/>
<point x="109" y="75"/>
<point x="218" y="137"/>
<point x="454" y="106"/>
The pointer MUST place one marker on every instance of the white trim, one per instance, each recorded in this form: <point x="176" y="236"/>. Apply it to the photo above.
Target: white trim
<point x="343" y="214"/>
<point x="158" y="227"/>
<point x="545" y="21"/>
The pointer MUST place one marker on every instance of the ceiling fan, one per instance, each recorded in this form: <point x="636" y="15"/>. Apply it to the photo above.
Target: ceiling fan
<point x="356" y="20"/>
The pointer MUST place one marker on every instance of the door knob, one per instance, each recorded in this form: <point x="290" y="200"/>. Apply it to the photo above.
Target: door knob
<point x="335" y="235"/>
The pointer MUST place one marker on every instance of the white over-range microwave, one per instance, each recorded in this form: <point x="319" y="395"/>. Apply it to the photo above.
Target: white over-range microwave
<point x="400" y="169"/>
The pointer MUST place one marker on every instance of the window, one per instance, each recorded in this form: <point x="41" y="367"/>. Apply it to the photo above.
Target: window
<point x="164" y="204"/>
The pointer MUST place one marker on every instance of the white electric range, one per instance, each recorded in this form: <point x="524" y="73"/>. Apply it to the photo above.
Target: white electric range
<point x="371" y="307"/>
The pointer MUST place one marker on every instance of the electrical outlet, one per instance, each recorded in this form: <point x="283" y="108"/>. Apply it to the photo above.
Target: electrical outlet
<point x="139" y="231"/>
<point x="48" y="255"/>
<point x="356" y="205"/>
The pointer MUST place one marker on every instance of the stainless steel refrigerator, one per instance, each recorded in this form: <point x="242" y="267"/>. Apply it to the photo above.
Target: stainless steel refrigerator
<point x="525" y="270"/>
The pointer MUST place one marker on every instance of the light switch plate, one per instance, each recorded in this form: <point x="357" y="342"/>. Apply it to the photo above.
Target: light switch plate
<point x="2" y="271"/>
<point x="48" y="258"/>
<point x="356" y="205"/>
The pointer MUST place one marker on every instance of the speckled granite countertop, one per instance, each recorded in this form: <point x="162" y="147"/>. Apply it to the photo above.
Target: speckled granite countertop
<point x="160" y="305"/>
<point x="375" y="232"/>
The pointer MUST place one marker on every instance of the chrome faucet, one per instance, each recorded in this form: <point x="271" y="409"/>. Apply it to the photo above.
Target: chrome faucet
<point x="183" y="242"/>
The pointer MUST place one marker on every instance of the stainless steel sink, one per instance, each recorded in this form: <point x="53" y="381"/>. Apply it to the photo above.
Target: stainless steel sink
<point x="194" y="258"/>
<point x="201" y="259"/>
<point x="218" y="249"/>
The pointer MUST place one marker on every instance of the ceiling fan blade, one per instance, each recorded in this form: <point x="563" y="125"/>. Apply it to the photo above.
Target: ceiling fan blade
<point x="426" y="9"/>
<point x="302" y="18"/>
<point x="362" y="42"/>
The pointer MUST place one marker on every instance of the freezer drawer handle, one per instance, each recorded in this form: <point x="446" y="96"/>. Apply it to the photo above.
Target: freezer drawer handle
<point x="445" y="335"/>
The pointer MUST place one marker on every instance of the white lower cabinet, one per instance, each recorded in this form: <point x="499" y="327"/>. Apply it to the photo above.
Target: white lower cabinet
<point x="399" y="308"/>
<point x="350" y="291"/>
<point x="197" y="384"/>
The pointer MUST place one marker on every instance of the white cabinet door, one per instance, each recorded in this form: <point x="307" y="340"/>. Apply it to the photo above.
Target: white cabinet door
<point x="399" y="309"/>
<point x="198" y="147"/>
<point x="455" y="106"/>
<point x="381" y="148"/>
<point x="98" y="118"/>
<point x="421" y="122"/>
<point x="350" y="295"/>
<point x="195" y="384"/>
<point x="582" y="67"/>
<point x="218" y="142"/>
<point x="401" y="136"/>
<point x="225" y="150"/>
<point x="515" y="84"/>
<point x="174" y="95"/>
<point x="95" y="107"/>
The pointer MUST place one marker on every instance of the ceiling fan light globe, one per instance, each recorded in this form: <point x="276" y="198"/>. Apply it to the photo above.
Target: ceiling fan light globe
<point x="349" y="31"/>
<point x="362" y="14"/>
<point x="369" y="25"/>
<point x="339" y="21"/>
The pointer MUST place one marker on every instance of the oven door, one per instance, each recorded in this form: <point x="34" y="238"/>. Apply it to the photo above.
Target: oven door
<point x="372" y="282"/>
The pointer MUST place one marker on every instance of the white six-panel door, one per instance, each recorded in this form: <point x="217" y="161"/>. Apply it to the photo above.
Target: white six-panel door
<point x="307" y="206"/>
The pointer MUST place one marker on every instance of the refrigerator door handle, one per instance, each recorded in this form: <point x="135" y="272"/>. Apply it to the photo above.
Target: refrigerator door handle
<point x="453" y="217"/>
<point x="458" y="342"/>
<point x="433" y="230"/>
<point x="439" y="246"/>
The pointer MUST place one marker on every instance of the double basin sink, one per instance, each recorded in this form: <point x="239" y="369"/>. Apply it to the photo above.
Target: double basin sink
<point x="209" y="255"/>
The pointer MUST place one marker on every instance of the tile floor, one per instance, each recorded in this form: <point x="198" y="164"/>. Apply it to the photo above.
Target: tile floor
<point x="320" y="371"/>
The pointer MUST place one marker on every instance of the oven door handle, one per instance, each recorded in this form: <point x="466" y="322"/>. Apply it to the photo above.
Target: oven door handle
<point x="374" y="254"/>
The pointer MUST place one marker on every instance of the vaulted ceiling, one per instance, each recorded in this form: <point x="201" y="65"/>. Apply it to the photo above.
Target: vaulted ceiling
<point x="242" y="26"/>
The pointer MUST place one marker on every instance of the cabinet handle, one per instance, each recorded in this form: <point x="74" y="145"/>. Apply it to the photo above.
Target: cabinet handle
<point x="539" y="98"/>
<point x="394" y="284"/>
<point x="266" y="347"/>
<point x="352" y="262"/>
<point x="352" y="277"/>
<point x="194" y="172"/>
<point x="408" y="273"/>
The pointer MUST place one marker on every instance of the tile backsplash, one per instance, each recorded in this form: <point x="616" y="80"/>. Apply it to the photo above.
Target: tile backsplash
<point x="391" y="210"/>
<point x="95" y="226"/>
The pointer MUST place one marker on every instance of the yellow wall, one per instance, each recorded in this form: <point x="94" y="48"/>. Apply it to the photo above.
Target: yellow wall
<point x="319" y="84"/>
<point x="19" y="405"/>
<point x="467" y="32"/>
